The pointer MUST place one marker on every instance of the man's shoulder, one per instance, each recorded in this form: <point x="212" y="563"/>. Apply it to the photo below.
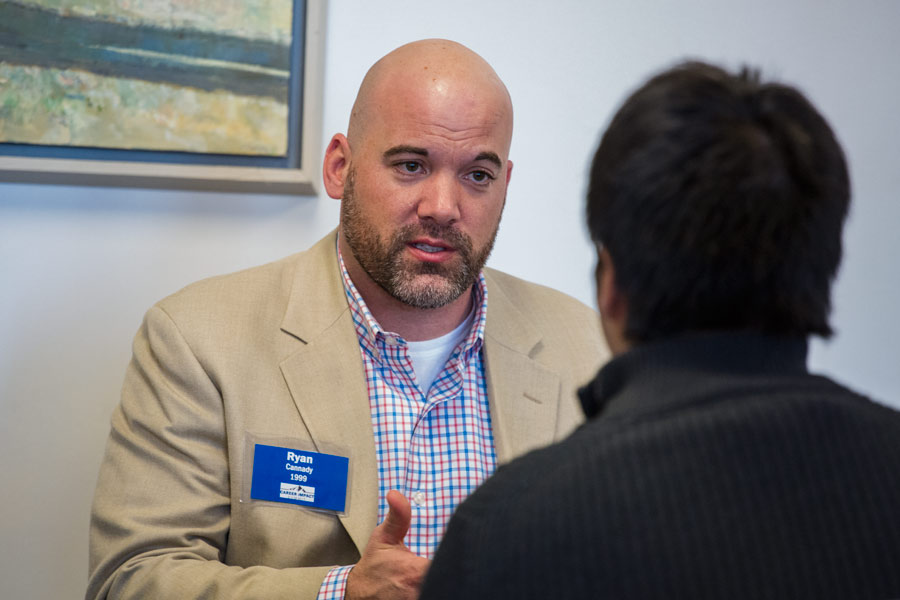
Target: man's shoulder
<point x="252" y="281"/>
<point x="225" y="315"/>
<point x="800" y="421"/>
<point x="250" y="287"/>
<point x="559" y="319"/>
<point x="530" y="296"/>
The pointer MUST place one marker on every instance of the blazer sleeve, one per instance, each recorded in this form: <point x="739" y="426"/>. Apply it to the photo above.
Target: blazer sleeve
<point x="162" y="508"/>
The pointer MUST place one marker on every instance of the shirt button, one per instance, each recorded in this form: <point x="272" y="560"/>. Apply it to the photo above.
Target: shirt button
<point x="419" y="498"/>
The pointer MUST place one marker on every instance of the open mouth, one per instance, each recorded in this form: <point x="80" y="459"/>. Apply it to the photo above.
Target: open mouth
<point x="431" y="250"/>
<point x="428" y="247"/>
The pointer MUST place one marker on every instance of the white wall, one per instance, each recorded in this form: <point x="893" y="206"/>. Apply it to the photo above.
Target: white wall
<point x="78" y="266"/>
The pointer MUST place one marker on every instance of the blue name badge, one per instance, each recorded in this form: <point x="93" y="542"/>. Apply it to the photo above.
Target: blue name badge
<point x="300" y="477"/>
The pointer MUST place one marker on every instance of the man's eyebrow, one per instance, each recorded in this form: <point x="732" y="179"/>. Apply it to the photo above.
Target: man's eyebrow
<point x="405" y="150"/>
<point x="490" y="157"/>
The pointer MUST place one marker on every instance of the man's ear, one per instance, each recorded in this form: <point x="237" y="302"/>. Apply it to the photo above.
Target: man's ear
<point x="612" y="304"/>
<point x="336" y="166"/>
<point x="610" y="299"/>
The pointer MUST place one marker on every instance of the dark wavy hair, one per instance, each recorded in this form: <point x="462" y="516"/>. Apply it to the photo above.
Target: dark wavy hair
<point x="721" y="200"/>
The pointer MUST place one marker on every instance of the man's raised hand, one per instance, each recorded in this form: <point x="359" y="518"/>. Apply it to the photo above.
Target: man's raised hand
<point x="387" y="568"/>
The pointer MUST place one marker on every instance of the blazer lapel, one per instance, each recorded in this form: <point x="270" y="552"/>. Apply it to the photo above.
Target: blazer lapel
<point x="327" y="381"/>
<point x="524" y="395"/>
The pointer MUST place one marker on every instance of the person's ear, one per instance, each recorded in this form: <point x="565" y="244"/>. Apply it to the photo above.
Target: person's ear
<point x="336" y="166"/>
<point x="610" y="299"/>
<point x="612" y="304"/>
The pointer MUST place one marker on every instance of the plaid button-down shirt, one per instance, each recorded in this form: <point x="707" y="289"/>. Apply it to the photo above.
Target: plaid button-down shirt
<point x="435" y="446"/>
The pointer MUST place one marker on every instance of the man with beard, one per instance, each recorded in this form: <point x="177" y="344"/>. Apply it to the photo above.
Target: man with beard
<point x="306" y="428"/>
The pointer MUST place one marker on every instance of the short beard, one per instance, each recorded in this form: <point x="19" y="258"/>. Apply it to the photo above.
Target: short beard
<point x="421" y="285"/>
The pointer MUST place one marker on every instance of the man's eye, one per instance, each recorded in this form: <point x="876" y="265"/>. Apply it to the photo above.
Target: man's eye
<point x="481" y="176"/>
<point x="411" y="166"/>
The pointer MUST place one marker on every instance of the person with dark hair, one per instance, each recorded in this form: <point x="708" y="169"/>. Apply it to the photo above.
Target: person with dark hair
<point x="722" y="200"/>
<point x="713" y="464"/>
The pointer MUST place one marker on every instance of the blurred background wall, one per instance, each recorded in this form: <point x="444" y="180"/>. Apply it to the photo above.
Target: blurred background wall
<point x="80" y="265"/>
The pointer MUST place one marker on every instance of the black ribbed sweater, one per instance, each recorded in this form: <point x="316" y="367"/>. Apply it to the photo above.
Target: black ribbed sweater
<point x="711" y="466"/>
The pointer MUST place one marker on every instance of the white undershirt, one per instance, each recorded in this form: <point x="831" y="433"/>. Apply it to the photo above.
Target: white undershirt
<point x="430" y="356"/>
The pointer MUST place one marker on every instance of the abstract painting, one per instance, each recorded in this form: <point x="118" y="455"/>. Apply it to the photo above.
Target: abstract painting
<point x="187" y="76"/>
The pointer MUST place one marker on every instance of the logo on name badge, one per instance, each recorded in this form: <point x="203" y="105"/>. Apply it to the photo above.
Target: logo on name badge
<point x="293" y="491"/>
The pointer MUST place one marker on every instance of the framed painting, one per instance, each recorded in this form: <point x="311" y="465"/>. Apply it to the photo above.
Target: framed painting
<point x="192" y="94"/>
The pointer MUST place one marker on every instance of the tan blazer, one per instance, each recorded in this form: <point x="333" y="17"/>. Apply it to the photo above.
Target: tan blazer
<point x="270" y="355"/>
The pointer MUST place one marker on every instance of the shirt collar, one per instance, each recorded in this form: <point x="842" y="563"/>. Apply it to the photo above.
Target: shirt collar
<point x="372" y="335"/>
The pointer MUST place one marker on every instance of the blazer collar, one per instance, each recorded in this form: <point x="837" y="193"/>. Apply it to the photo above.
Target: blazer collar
<point x="317" y="294"/>
<point x="524" y="394"/>
<point x="326" y="379"/>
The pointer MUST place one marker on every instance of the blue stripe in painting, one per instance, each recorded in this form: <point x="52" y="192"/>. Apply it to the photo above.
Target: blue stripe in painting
<point x="37" y="37"/>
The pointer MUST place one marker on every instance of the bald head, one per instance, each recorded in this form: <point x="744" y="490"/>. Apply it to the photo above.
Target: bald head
<point x="422" y="176"/>
<point x="435" y="72"/>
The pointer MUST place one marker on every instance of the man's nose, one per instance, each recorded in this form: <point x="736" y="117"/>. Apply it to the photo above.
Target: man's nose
<point x="440" y="198"/>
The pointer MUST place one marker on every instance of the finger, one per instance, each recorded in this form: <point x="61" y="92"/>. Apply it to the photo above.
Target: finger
<point x="396" y="524"/>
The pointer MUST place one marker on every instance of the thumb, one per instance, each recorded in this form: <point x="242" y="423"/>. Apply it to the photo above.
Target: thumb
<point x="396" y="524"/>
